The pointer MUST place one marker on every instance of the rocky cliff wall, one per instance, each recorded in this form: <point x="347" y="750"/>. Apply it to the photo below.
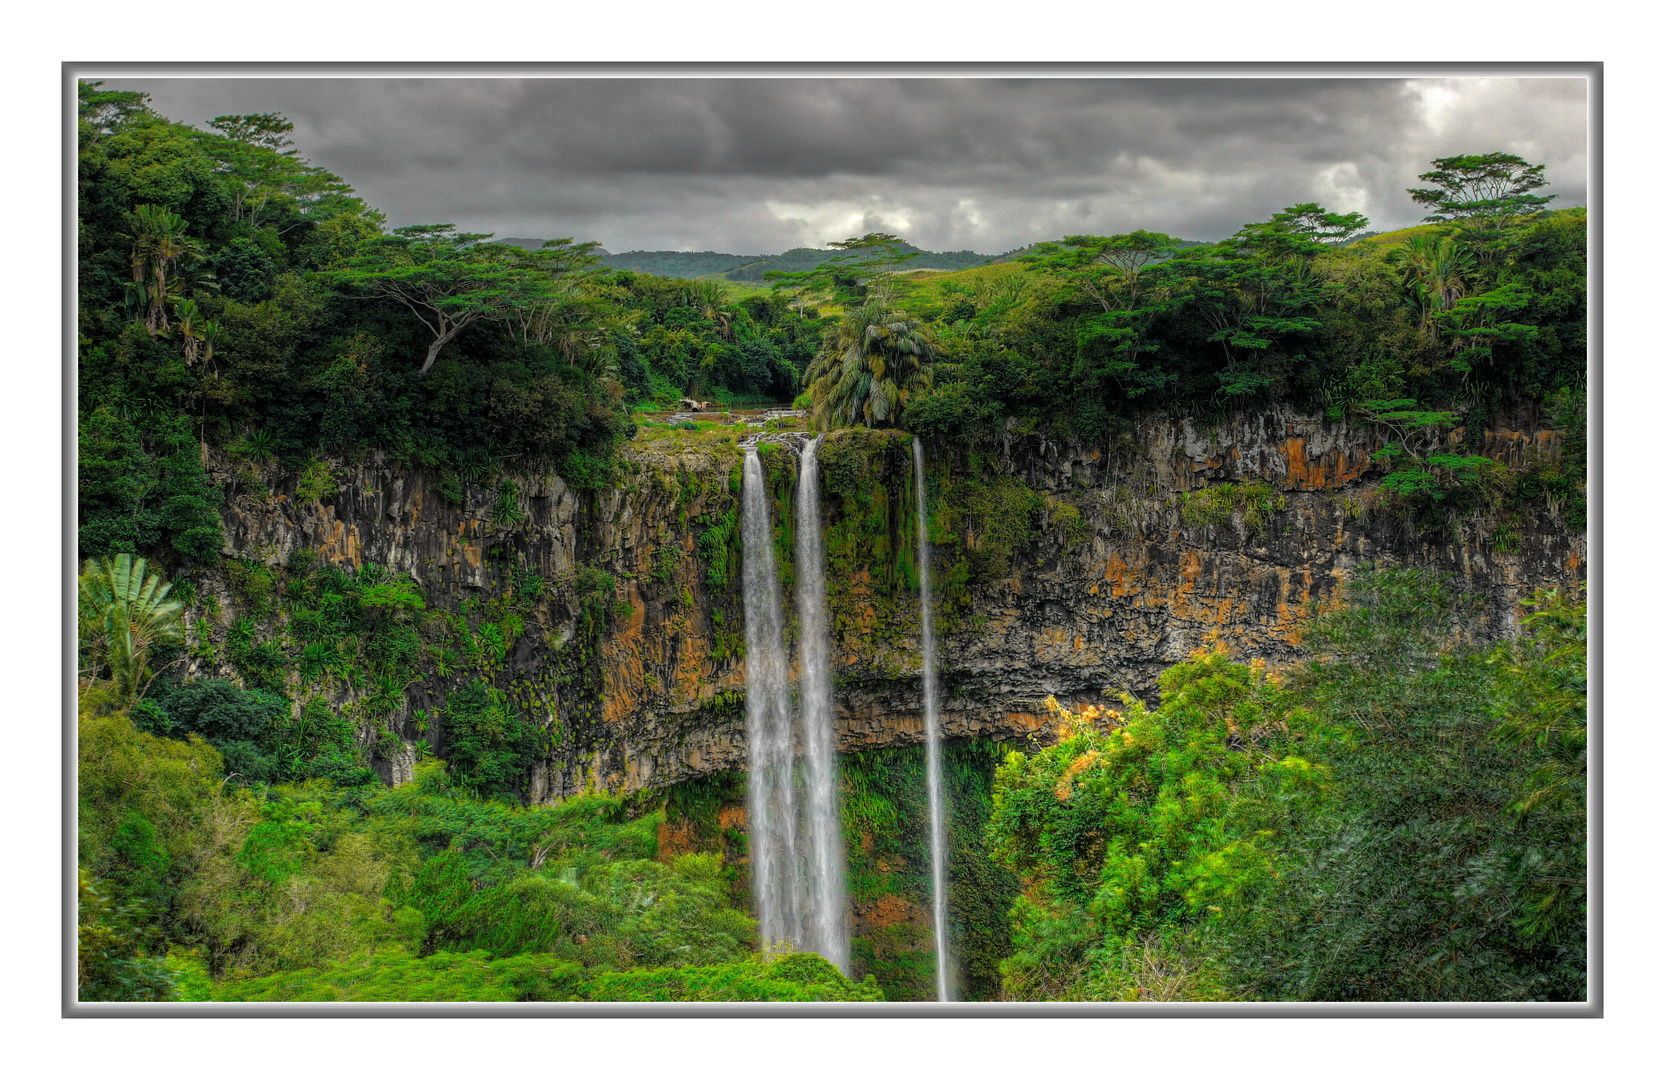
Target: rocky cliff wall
<point x="1065" y="570"/>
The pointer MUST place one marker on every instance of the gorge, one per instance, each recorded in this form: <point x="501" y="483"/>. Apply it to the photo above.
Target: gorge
<point x="1124" y="618"/>
<point x="1064" y="571"/>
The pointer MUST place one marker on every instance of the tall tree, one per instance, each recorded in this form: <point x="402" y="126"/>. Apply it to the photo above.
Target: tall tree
<point x="1483" y="195"/>
<point x="268" y="172"/>
<point x="161" y="247"/>
<point x="101" y="112"/>
<point x="866" y="272"/>
<point x="873" y="261"/>
<point x="448" y="279"/>
<point x="256" y="151"/>
<point x="1112" y="273"/>
<point x="562" y="313"/>
<point x="1318" y="225"/>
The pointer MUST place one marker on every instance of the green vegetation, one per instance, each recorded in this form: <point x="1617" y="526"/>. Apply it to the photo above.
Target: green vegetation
<point x="886" y="823"/>
<point x="236" y="298"/>
<point x="1471" y="315"/>
<point x="196" y="890"/>
<point x="475" y="976"/>
<point x="123" y="614"/>
<point x="1401" y="819"/>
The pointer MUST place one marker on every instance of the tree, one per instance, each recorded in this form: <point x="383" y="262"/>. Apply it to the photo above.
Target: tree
<point x="1111" y="272"/>
<point x="873" y="261"/>
<point x="268" y="172"/>
<point x="869" y="370"/>
<point x="1139" y="829"/>
<point x="1257" y="292"/>
<point x="1482" y="194"/>
<point x="123" y="614"/>
<point x="1434" y="272"/>
<point x="161" y="247"/>
<point x="197" y="333"/>
<point x="447" y="279"/>
<point x="256" y="151"/>
<point x="1318" y="225"/>
<point x="563" y="315"/>
<point x="1426" y="472"/>
<point x="866" y="272"/>
<point x="101" y="112"/>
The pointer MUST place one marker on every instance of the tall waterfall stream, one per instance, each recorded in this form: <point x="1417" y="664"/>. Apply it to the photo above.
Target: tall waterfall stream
<point x="796" y="837"/>
<point x="933" y="736"/>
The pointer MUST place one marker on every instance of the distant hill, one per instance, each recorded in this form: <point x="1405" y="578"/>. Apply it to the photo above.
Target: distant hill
<point x="693" y="264"/>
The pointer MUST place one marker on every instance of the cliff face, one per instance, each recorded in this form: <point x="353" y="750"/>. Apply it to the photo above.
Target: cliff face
<point x="1063" y="571"/>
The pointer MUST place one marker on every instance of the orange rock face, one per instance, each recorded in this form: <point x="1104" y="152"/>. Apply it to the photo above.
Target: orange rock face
<point x="1080" y="620"/>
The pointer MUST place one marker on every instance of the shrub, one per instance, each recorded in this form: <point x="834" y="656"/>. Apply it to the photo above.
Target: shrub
<point x="222" y="713"/>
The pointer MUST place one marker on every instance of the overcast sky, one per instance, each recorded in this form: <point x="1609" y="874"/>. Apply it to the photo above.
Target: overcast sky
<point x="755" y="166"/>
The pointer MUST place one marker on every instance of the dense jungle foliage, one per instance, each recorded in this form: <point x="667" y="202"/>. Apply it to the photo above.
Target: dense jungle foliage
<point x="233" y="294"/>
<point x="1401" y="818"/>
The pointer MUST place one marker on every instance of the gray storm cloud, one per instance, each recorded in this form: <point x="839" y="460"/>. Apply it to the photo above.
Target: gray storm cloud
<point x="760" y="165"/>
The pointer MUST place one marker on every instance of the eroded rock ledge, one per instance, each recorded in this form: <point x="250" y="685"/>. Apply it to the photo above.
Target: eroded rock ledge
<point x="1134" y="584"/>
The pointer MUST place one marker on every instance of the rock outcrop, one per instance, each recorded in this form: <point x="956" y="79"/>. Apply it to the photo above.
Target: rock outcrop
<point x="1142" y="554"/>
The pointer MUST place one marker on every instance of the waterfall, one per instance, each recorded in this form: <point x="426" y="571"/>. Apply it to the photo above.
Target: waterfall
<point x="771" y="805"/>
<point x="826" y="834"/>
<point x="933" y="737"/>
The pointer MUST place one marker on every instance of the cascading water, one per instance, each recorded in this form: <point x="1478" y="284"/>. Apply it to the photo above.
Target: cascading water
<point x="772" y="809"/>
<point x="933" y="739"/>
<point x="826" y="835"/>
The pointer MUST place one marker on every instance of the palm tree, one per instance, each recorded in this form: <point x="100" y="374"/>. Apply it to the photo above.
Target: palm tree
<point x="1433" y="270"/>
<point x="123" y="614"/>
<point x="869" y="371"/>
<point x="161" y="246"/>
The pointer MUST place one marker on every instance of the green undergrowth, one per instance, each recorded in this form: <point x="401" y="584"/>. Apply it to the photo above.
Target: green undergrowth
<point x="885" y="815"/>
<point x="979" y="522"/>
<point x="1217" y="505"/>
<point x="478" y="976"/>
<point x="328" y="658"/>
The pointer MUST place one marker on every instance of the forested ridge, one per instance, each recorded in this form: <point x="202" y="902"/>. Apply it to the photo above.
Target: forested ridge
<point x="1399" y="817"/>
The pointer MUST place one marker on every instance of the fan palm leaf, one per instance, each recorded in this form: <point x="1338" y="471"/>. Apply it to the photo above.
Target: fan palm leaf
<point x="869" y="370"/>
<point x="123" y="614"/>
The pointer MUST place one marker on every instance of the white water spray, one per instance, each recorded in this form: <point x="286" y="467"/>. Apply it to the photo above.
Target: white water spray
<point x="829" y="935"/>
<point x="933" y="738"/>
<point x="772" y="810"/>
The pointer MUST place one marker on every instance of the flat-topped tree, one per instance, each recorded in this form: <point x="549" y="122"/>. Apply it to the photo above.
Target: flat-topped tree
<point x="268" y="172"/>
<point x="872" y="261"/>
<point x="1113" y="272"/>
<point x="866" y="272"/>
<point x="1482" y="194"/>
<point x="448" y="279"/>
<point x="1318" y="225"/>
